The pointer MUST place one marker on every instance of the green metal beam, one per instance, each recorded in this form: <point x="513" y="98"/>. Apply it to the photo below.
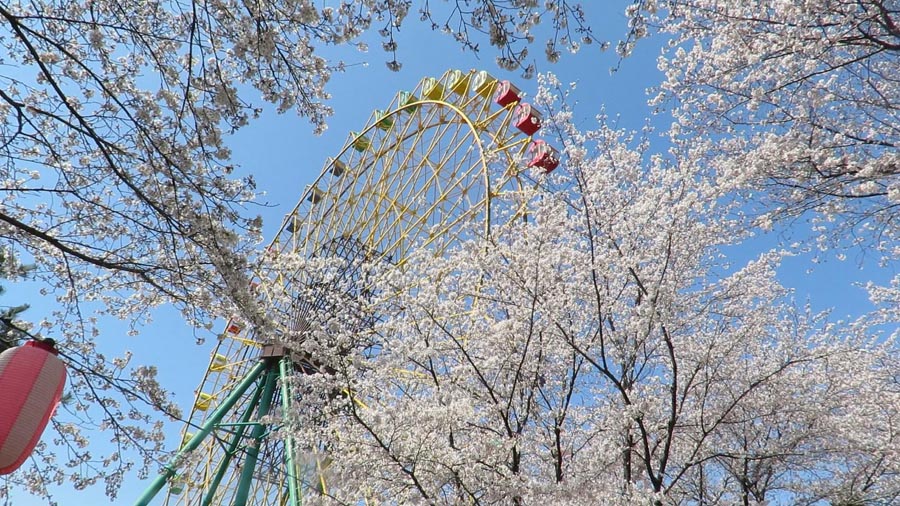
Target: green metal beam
<point x="290" y="464"/>
<point x="232" y="448"/>
<point x="214" y="418"/>
<point x="246" y="479"/>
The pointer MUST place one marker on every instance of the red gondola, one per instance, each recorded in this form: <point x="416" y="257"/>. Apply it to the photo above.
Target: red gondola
<point x="506" y="93"/>
<point x="543" y="155"/>
<point x="527" y="119"/>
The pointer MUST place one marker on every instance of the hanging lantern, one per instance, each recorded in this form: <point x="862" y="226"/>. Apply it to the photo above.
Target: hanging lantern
<point x="31" y="384"/>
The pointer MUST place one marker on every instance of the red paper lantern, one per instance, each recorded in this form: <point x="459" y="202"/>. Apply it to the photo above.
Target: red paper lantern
<point x="31" y="383"/>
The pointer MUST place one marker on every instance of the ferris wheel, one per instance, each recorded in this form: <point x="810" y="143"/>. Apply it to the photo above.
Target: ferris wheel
<point x="420" y="173"/>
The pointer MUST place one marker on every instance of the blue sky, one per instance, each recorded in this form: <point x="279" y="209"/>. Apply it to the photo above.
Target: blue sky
<point x="284" y="156"/>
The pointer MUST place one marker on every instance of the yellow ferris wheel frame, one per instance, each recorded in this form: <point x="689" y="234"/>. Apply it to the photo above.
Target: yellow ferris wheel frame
<point x="417" y="176"/>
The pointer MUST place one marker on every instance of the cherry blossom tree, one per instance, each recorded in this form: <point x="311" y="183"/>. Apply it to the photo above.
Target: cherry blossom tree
<point x="796" y="106"/>
<point x="9" y="335"/>
<point x="601" y="348"/>
<point x="800" y="99"/>
<point x="116" y="175"/>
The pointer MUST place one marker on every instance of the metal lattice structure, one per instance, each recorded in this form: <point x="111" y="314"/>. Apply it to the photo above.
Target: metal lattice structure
<point x="418" y="175"/>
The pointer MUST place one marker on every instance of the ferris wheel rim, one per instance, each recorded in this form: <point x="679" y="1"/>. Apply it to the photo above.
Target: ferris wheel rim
<point x="373" y="125"/>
